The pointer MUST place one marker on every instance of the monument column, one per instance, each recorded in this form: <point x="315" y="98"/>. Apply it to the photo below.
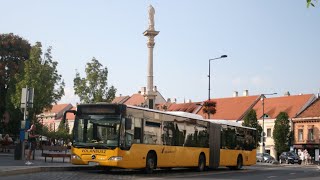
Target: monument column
<point x="151" y="33"/>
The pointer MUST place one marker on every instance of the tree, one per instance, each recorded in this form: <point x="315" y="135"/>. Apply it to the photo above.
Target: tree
<point x="41" y="74"/>
<point x="94" y="88"/>
<point x="281" y="132"/>
<point x="250" y="120"/>
<point x="310" y="3"/>
<point x="14" y="50"/>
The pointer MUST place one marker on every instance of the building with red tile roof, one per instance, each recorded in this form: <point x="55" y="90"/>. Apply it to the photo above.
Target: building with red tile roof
<point x="52" y="117"/>
<point x="121" y="99"/>
<point x="135" y="100"/>
<point x="292" y="105"/>
<point x="272" y="106"/>
<point x="306" y="129"/>
<point x="231" y="108"/>
<point x="184" y="107"/>
<point x="139" y="99"/>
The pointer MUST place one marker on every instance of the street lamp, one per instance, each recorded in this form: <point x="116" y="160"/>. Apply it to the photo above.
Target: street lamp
<point x="263" y="96"/>
<point x="223" y="56"/>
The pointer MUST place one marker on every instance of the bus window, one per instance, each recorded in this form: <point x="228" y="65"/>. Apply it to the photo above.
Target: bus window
<point x="203" y="136"/>
<point x="137" y="130"/>
<point x="151" y="132"/>
<point x="179" y="135"/>
<point x="191" y="133"/>
<point x="228" y="137"/>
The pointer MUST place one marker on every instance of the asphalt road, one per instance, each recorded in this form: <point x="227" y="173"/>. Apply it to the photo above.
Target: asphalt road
<point x="249" y="173"/>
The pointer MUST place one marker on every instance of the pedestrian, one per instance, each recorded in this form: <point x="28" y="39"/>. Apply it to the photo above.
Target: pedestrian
<point x="301" y="155"/>
<point x="306" y="155"/>
<point x="32" y="142"/>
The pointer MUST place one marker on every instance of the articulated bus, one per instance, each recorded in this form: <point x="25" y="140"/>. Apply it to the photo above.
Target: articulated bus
<point x="123" y="136"/>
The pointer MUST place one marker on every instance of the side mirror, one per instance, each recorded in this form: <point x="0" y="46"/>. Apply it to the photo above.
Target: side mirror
<point x="68" y="111"/>
<point x="128" y="124"/>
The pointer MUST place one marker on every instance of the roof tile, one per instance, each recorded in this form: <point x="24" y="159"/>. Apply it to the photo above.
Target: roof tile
<point x="311" y="111"/>
<point x="231" y="108"/>
<point x="292" y="105"/>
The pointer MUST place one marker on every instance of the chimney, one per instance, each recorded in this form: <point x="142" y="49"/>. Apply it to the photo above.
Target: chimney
<point x="155" y="88"/>
<point x="169" y="100"/>
<point x="120" y="95"/>
<point x="287" y="93"/>
<point x="143" y="90"/>
<point x="189" y="101"/>
<point x="174" y="100"/>
<point x="235" y="93"/>
<point x="246" y="93"/>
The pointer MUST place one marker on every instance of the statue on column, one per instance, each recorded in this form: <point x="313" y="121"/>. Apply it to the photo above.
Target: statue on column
<point x="151" y="18"/>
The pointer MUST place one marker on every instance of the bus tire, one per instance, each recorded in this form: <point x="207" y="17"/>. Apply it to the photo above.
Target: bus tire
<point x="201" y="163"/>
<point x="239" y="162"/>
<point x="150" y="163"/>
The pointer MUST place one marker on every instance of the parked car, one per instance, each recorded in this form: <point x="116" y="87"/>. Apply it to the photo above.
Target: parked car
<point x="265" y="158"/>
<point x="289" y="157"/>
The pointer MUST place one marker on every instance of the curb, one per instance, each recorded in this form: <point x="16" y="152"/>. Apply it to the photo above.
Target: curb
<point x="37" y="169"/>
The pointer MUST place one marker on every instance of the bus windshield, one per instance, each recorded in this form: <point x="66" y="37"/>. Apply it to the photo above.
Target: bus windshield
<point x="96" y="131"/>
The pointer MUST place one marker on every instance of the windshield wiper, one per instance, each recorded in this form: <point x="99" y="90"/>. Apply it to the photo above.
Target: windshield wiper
<point x="79" y="145"/>
<point x="104" y="146"/>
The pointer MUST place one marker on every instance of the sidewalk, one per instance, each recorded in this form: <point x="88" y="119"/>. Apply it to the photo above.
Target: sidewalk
<point x="9" y="166"/>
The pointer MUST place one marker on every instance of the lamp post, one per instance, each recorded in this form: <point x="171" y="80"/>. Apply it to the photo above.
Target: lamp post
<point x="263" y="96"/>
<point x="223" y="56"/>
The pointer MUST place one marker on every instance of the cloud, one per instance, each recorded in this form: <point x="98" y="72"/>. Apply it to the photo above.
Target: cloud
<point x="69" y="97"/>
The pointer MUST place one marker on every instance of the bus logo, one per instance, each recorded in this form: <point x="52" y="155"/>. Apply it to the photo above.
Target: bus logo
<point x="93" y="157"/>
<point x="94" y="151"/>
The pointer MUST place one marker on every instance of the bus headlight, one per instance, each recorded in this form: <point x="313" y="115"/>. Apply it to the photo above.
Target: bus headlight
<point x="74" y="156"/>
<point x="115" y="158"/>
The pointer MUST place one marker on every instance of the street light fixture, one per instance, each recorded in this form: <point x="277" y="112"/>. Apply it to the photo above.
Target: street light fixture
<point x="223" y="56"/>
<point x="263" y="96"/>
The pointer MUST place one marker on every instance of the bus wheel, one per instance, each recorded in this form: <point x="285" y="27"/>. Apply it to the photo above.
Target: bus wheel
<point x="201" y="163"/>
<point x="239" y="162"/>
<point x="150" y="163"/>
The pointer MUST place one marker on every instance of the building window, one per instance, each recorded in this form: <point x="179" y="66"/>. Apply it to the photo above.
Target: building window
<point x="310" y="134"/>
<point x="300" y="134"/>
<point x="269" y="132"/>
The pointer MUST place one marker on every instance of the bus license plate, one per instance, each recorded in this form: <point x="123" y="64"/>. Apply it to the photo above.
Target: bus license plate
<point x="93" y="164"/>
<point x="295" y="160"/>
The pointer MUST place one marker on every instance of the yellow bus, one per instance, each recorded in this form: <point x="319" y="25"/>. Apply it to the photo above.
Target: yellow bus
<point x="121" y="136"/>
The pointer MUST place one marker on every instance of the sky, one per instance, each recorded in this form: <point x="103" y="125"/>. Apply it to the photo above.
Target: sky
<point x="272" y="46"/>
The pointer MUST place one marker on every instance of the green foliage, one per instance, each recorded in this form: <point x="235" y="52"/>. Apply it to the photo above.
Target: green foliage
<point x="281" y="133"/>
<point x="14" y="50"/>
<point x="62" y="126"/>
<point x="42" y="75"/>
<point x="310" y="3"/>
<point x="250" y="120"/>
<point x="61" y="133"/>
<point x="94" y="88"/>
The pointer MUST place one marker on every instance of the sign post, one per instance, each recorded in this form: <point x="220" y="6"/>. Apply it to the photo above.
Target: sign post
<point x="26" y="102"/>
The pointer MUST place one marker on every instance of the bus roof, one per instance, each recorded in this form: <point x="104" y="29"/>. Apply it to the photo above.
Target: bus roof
<point x="227" y="122"/>
<point x="193" y="116"/>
